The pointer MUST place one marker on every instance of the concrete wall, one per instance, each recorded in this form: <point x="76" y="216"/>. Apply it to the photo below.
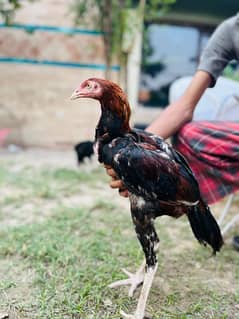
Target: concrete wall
<point x="34" y="98"/>
<point x="35" y="105"/>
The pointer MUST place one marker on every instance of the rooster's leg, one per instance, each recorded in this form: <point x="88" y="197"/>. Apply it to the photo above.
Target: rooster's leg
<point x="149" y="242"/>
<point x="148" y="280"/>
<point x="133" y="280"/>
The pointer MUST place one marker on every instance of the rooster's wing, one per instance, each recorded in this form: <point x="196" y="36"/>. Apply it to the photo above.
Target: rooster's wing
<point x="150" y="170"/>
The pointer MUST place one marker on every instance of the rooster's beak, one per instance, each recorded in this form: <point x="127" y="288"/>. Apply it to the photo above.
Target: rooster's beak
<point x="75" y="95"/>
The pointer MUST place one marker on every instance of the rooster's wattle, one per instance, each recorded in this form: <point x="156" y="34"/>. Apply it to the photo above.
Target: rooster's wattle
<point x="158" y="179"/>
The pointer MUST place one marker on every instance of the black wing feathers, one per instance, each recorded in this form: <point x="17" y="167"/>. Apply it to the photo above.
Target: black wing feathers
<point x="150" y="168"/>
<point x="145" y="174"/>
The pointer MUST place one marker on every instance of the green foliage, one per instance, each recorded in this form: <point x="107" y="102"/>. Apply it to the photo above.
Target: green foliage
<point x="230" y="73"/>
<point x="155" y="8"/>
<point x="118" y="20"/>
<point x="8" y="8"/>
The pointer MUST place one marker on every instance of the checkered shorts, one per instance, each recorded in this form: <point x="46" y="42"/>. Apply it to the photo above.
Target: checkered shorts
<point x="212" y="150"/>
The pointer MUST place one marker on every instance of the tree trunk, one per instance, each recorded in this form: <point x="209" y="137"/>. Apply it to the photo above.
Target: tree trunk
<point x="106" y="26"/>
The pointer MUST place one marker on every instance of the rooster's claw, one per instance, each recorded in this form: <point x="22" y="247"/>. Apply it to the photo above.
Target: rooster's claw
<point x="133" y="281"/>
<point x="126" y="316"/>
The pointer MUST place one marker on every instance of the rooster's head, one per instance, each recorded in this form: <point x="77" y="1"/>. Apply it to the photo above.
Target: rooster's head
<point x="91" y="88"/>
<point x="110" y="95"/>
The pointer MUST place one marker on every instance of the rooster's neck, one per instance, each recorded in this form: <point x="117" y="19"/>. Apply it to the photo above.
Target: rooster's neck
<point x="114" y="121"/>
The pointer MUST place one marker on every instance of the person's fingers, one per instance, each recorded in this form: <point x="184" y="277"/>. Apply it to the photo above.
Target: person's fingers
<point x="116" y="184"/>
<point x="111" y="172"/>
<point x="123" y="192"/>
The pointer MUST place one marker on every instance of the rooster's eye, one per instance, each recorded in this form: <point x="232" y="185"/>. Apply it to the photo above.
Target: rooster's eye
<point x="88" y="86"/>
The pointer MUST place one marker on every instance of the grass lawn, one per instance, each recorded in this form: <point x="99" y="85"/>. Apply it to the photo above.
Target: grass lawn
<point x="64" y="236"/>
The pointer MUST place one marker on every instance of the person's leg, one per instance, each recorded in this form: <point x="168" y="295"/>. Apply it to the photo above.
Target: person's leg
<point x="212" y="150"/>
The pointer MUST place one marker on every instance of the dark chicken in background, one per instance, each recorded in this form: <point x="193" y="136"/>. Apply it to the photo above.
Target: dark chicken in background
<point x="157" y="177"/>
<point x="84" y="150"/>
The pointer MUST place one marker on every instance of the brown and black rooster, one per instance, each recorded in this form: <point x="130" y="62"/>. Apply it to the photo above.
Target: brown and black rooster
<point x="157" y="177"/>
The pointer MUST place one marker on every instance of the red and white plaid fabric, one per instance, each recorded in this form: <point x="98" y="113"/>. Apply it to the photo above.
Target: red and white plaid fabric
<point x="212" y="150"/>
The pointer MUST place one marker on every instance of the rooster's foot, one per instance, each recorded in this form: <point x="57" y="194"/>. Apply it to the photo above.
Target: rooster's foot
<point x="126" y="316"/>
<point x="134" y="281"/>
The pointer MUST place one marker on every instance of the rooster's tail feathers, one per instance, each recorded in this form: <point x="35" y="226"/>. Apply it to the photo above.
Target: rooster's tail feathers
<point x="205" y="227"/>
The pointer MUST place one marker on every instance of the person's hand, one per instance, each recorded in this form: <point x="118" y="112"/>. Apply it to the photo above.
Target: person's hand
<point x="116" y="182"/>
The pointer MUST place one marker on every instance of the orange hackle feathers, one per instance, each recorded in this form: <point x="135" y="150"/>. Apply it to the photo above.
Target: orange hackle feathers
<point x="115" y="99"/>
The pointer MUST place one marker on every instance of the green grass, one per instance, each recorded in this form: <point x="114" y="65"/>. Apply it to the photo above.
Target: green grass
<point x="60" y="266"/>
<point x="231" y="74"/>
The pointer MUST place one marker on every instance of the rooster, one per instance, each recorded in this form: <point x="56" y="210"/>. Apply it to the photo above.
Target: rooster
<point x="158" y="179"/>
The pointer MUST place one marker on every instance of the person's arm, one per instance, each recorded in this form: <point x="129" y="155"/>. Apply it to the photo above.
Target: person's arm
<point x="181" y="111"/>
<point x="220" y="50"/>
